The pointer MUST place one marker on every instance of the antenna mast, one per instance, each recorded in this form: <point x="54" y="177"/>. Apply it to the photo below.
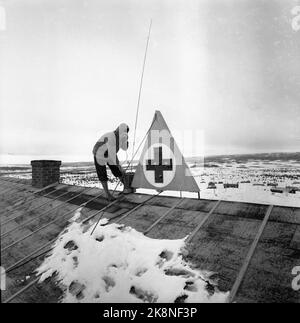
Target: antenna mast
<point x="140" y="89"/>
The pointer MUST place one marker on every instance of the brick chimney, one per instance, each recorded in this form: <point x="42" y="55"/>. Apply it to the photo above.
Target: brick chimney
<point x="45" y="172"/>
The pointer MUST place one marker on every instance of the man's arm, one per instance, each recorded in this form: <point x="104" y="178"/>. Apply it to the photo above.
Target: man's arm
<point x="120" y="167"/>
<point x="112" y="149"/>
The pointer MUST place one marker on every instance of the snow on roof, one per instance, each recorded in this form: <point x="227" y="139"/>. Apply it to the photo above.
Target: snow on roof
<point x="119" y="264"/>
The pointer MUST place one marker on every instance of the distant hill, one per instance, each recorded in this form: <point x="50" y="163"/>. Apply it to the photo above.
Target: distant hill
<point x="243" y="158"/>
<point x="238" y="158"/>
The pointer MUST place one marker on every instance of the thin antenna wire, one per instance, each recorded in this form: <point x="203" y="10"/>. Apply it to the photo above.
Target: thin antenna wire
<point x="140" y="89"/>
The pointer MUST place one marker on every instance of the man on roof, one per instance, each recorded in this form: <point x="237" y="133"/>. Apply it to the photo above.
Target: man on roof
<point x="105" y="154"/>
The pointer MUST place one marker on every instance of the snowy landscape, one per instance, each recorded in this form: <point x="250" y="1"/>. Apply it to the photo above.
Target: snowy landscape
<point x="258" y="178"/>
<point x="116" y="263"/>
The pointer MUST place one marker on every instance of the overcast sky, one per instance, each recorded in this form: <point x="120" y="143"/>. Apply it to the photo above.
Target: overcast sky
<point x="70" y="70"/>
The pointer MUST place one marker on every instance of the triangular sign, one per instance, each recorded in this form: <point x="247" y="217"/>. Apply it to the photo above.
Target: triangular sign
<point x="161" y="165"/>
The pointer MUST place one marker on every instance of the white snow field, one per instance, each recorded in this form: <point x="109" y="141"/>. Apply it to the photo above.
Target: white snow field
<point x="256" y="178"/>
<point x="118" y="264"/>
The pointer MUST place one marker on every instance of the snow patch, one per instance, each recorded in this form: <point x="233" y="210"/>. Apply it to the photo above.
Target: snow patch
<point x="119" y="264"/>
